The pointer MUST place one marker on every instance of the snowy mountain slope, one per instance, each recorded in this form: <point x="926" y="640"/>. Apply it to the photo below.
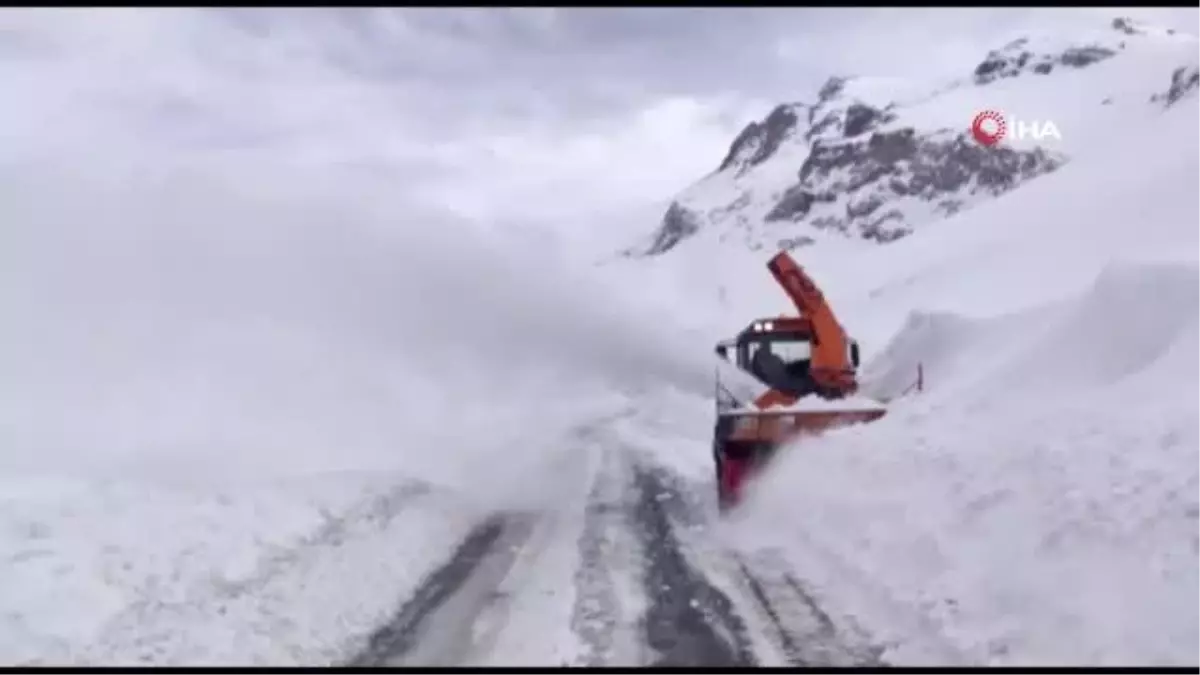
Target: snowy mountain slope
<point x="875" y="158"/>
<point x="1037" y="504"/>
<point x="259" y="415"/>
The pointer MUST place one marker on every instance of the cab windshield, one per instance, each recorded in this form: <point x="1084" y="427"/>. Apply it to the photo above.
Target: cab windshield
<point x="781" y="362"/>
<point x="790" y="350"/>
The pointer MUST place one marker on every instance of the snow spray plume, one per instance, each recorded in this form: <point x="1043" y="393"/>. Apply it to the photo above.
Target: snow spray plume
<point x="291" y="304"/>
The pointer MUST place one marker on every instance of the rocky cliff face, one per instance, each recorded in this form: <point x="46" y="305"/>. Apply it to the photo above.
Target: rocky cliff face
<point x="1184" y="82"/>
<point x="872" y="158"/>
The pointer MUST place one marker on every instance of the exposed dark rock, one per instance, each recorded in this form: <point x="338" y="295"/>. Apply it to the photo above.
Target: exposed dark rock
<point x="868" y="171"/>
<point x="1124" y="24"/>
<point x="863" y="207"/>
<point x="749" y="135"/>
<point x="886" y="228"/>
<point x="823" y="127"/>
<point x="677" y="225"/>
<point x="796" y="203"/>
<point x="759" y="140"/>
<point x="988" y="69"/>
<point x="859" y="119"/>
<point x="832" y="87"/>
<point x="893" y="146"/>
<point x="793" y="243"/>
<point x="1013" y="59"/>
<point x="1079" y="57"/>
<point x="858" y="170"/>
<point x="904" y="164"/>
<point x="1183" y="80"/>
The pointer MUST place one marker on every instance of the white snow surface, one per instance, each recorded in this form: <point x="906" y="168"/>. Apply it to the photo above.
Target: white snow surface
<point x="224" y="380"/>
<point x="233" y="435"/>
<point x="1037" y="504"/>
<point x="126" y="572"/>
<point x="1088" y="106"/>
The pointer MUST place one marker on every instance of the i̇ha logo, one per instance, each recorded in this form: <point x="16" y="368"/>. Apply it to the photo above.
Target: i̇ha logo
<point x="990" y="127"/>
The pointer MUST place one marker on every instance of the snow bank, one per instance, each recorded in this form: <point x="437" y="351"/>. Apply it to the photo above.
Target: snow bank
<point x="1048" y="516"/>
<point x="138" y="572"/>
<point x="1038" y="503"/>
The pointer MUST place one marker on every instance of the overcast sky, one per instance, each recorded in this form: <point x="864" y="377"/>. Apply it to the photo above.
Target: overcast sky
<point x="505" y="115"/>
<point x="224" y="233"/>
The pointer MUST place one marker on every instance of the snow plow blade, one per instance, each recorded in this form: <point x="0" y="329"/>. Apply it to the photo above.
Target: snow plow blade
<point x="744" y="442"/>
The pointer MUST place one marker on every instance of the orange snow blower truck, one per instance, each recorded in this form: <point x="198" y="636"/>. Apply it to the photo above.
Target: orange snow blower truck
<point x="807" y="364"/>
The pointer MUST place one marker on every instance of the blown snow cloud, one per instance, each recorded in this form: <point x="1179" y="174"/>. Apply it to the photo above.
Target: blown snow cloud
<point x="356" y="245"/>
<point x="335" y="183"/>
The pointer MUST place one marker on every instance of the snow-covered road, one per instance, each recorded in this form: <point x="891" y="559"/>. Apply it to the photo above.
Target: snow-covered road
<point x="620" y="563"/>
<point x="692" y="604"/>
<point x="278" y="389"/>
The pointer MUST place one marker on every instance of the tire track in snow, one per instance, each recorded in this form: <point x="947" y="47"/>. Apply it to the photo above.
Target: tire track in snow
<point x="806" y="633"/>
<point x="689" y="622"/>
<point x="788" y="616"/>
<point x="596" y="610"/>
<point x="782" y="635"/>
<point x="633" y="515"/>
<point x="434" y="625"/>
<point x="442" y="620"/>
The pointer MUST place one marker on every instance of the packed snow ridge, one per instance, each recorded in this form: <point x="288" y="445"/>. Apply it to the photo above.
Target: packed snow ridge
<point x="875" y="158"/>
<point x="1037" y="502"/>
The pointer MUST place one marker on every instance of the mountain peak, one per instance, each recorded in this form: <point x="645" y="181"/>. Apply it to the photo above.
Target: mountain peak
<point x="875" y="158"/>
<point x="832" y="87"/>
<point x="759" y="140"/>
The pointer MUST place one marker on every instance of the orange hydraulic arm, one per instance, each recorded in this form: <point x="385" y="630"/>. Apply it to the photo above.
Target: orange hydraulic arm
<point x="830" y="369"/>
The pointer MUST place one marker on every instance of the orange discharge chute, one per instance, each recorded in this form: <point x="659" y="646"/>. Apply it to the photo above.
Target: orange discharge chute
<point x="831" y="369"/>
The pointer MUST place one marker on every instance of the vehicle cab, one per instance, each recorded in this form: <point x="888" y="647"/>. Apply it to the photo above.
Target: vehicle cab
<point x="777" y="352"/>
